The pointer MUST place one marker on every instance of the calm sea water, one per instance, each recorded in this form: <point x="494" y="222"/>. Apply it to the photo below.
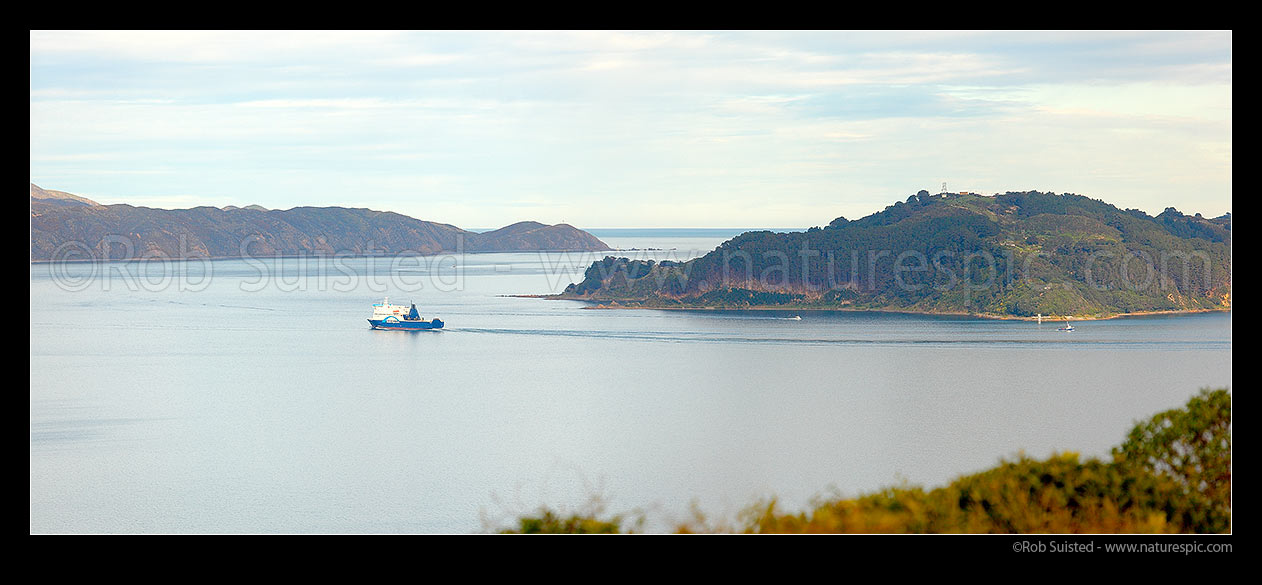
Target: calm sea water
<point x="250" y="396"/>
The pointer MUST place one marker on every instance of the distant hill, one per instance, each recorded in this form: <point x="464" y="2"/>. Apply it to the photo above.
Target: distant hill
<point x="1018" y="254"/>
<point x="532" y="235"/>
<point x="58" y="197"/>
<point x="61" y="222"/>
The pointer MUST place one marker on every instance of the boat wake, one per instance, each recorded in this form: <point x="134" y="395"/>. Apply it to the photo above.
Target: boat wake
<point x="715" y="337"/>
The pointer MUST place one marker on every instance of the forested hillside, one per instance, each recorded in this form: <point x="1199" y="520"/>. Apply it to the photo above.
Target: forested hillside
<point x="1014" y="254"/>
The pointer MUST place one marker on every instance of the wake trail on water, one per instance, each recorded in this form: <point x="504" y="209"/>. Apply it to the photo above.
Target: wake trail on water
<point x="711" y="337"/>
<point x="173" y="302"/>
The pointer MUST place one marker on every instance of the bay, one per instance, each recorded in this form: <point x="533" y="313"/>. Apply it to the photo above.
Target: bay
<point x="250" y="396"/>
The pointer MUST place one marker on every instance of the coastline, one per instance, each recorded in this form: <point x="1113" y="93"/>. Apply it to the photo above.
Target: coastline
<point x="616" y="305"/>
<point x="195" y="258"/>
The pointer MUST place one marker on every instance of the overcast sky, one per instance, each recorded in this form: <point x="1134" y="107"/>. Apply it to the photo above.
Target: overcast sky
<point x="630" y="129"/>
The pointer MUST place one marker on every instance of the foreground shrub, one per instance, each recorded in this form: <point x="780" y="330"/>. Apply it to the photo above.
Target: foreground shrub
<point x="1171" y="475"/>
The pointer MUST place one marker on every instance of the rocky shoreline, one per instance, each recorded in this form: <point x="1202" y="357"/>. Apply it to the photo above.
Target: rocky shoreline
<point x="615" y="304"/>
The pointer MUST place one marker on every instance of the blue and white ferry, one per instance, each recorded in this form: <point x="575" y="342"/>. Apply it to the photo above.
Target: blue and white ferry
<point x="400" y="318"/>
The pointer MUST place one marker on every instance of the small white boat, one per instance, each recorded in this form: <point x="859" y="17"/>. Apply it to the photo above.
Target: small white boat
<point x="795" y="318"/>
<point x="1067" y="326"/>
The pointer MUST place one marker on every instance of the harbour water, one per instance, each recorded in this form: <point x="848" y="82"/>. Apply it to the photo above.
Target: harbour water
<point x="250" y="396"/>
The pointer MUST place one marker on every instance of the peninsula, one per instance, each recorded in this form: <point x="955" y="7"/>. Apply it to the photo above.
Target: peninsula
<point x="1010" y="255"/>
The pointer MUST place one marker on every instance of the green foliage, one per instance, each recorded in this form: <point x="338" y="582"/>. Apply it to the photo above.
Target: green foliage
<point x="549" y="522"/>
<point x="1171" y="475"/>
<point x="1192" y="447"/>
<point x="1059" y="495"/>
<point x="1015" y="254"/>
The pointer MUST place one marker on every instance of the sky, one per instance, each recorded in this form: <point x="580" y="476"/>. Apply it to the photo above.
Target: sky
<point x="740" y="129"/>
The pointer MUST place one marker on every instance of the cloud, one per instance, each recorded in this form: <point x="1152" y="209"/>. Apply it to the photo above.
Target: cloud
<point x="612" y="124"/>
<point x="206" y="46"/>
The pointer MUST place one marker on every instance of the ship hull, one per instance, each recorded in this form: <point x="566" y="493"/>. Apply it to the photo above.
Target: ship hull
<point x="404" y="325"/>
